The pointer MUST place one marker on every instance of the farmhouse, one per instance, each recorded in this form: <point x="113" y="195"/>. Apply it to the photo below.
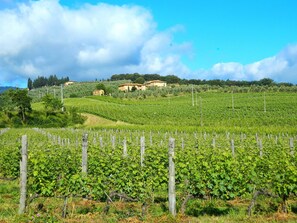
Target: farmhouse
<point x="142" y="87"/>
<point x="98" y="92"/>
<point x="131" y="86"/>
<point x="155" y="83"/>
<point x="69" y="83"/>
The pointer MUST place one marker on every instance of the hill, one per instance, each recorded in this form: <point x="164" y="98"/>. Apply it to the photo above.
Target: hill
<point x="77" y="89"/>
<point x="205" y="111"/>
<point x="2" y="89"/>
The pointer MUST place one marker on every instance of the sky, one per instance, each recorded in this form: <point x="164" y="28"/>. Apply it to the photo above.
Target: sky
<point x="192" y="39"/>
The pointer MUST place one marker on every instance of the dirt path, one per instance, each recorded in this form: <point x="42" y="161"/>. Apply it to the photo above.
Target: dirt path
<point x="94" y="120"/>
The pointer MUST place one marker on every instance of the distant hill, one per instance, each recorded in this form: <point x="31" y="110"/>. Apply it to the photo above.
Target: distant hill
<point x="2" y="89"/>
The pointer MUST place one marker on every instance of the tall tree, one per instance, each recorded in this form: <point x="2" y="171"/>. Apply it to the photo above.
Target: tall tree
<point x="30" y="84"/>
<point x="22" y="101"/>
<point x="51" y="104"/>
<point x="6" y="104"/>
<point x="101" y="86"/>
<point x="139" y="80"/>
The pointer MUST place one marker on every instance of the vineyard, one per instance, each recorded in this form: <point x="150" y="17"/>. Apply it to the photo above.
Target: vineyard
<point x="234" y="158"/>
<point x="133" y="166"/>
<point x="241" y="112"/>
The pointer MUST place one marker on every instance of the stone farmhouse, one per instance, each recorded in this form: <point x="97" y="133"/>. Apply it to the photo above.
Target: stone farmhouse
<point x="142" y="87"/>
<point x="130" y="86"/>
<point x="155" y="83"/>
<point x="98" y="92"/>
<point x="69" y="83"/>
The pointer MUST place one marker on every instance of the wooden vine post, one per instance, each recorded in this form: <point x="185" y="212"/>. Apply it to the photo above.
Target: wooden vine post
<point x="264" y="102"/>
<point x="292" y="146"/>
<point x="23" y="174"/>
<point x="85" y="154"/>
<point x="142" y="149"/>
<point x="171" y="182"/>
<point x="260" y="147"/>
<point x="232" y="147"/>
<point x="125" y="153"/>
<point x="232" y="102"/>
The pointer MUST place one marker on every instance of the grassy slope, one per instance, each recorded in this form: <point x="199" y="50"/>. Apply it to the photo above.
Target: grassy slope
<point x="79" y="89"/>
<point x="211" y="111"/>
<point x="95" y="121"/>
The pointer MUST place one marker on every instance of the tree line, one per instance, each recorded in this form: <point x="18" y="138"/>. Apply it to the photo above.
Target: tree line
<point x="42" y="81"/>
<point x="172" y="79"/>
<point x="16" y="111"/>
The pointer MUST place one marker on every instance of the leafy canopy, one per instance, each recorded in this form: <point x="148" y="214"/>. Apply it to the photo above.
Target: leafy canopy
<point x="51" y="103"/>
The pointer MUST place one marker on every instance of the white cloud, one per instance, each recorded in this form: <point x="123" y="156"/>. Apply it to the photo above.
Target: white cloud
<point x="225" y="69"/>
<point x="94" y="41"/>
<point x="281" y="68"/>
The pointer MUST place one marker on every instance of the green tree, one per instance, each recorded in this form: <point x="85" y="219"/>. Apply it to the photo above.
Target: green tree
<point x="30" y="84"/>
<point x="22" y="101"/>
<point x="266" y="81"/>
<point x="51" y="104"/>
<point x="6" y="105"/>
<point x="101" y="86"/>
<point x="139" y="80"/>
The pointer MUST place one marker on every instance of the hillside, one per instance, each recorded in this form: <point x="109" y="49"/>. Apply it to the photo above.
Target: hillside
<point x="78" y="89"/>
<point x="2" y="89"/>
<point x="210" y="111"/>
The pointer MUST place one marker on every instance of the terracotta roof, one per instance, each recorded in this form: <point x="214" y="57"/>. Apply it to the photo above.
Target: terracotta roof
<point x="130" y="84"/>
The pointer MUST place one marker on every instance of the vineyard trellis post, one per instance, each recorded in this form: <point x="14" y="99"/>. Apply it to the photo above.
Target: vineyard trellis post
<point x="193" y="96"/>
<point x="113" y="142"/>
<point x="101" y="142"/>
<point x="125" y="154"/>
<point x="260" y="147"/>
<point x="292" y="146"/>
<point x="171" y="182"/>
<point x="142" y="149"/>
<point x="264" y="102"/>
<point x="62" y="98"/>
<point x="201" y="122"/>
<point x="23" y="174"/>
<point x="182" y="143"/>
<point x="85" y="154"/>
<point x="213" y="143"/>
<point x="232" y="147"/>
<point x="232" y="102"/>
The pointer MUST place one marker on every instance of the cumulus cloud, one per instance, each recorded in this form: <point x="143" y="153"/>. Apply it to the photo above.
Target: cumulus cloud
<point x="281" y="68"/>
<point x="93" y="41"/>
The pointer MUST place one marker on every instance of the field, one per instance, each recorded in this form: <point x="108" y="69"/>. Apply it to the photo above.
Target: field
<point x="233" y="152"/>
<point x="272" y="112"/>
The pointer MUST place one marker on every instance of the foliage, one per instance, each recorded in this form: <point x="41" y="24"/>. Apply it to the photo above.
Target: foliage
<point x="52" y="80"/>
<point x="6" y="104"/>
<point x="51" y="104"/>
<point x="30" y="84"/>
<point x="77" y="89"/>
<point x="172" y="79"/>
<point x="101" y="86"/>
<point x="25" y="116"/>
<point x="206" y="171"/>
<point x="211" y="110"/>
<point x="22" y="101"/>
<point x="139" y="80"/>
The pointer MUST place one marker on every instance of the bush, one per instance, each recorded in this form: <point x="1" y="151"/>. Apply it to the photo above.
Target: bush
<point x="73" y="95"/>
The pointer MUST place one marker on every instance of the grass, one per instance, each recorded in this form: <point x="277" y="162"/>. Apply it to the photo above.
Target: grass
<point x="80" y="210"/>
<point x="97" y="121"/>
<point x="211" y="111"/>
<point x="168" y="112"/>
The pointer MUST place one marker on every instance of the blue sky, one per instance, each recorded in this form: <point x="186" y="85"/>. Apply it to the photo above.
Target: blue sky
<point x="88" y="40"/>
